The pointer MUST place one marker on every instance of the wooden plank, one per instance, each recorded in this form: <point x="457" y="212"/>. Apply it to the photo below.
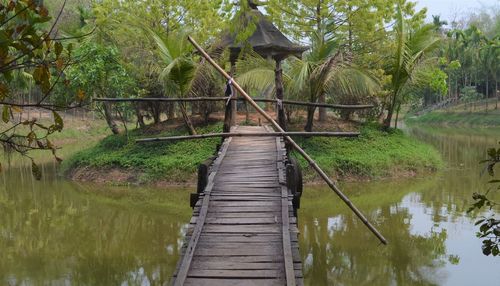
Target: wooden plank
<point x="241" y="229"/>
<point x="240" y="274"/>
<point x="237" y="220"/>
<point x="287" y="248"/>
<point x="243" y="236"/>
<point x="188" y="256"/>
<point x="227" y="265"/>
<point x="235" y="265"/>
<point x="209" y="251"/>
<point x="233" y="282"/>
<point x="244" y="204"/>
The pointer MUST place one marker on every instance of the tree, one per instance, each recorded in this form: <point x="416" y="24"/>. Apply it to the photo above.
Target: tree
<point x="28" y="49"/>
<point x="179" y="68"/>
<point x="116" y="20"/>
<point x="411" y="46"/>
<point x="99" y="74"/>
<point x="324" y="70"/>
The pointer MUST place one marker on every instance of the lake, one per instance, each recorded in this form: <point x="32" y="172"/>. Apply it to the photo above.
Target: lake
<point x="56" y="232"/>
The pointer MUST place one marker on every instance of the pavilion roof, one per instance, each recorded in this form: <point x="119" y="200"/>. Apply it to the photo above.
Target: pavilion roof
<point x="266" y="40"/>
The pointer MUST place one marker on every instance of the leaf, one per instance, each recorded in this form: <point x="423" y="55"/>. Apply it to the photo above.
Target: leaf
<point x="31" y="137"/>
<point x="484" y="227"/>
<point x="49" y="144"/>
<point x="44" y="12"/>
<point x="495" y="251"/>
<point x="492" y="152"/>
<point x="5" y="114"/>
<point x="58" y="48"/>
<point x="59" y="124"/>
<point x="59" y="64"/>
<point x="17" y="109"/>
<point x="80" y="95"/>
<point x="479" y="221"/>
<point x="36" y="171"/>
<point x="40" y="144"/>
<point x="4" y="91"/>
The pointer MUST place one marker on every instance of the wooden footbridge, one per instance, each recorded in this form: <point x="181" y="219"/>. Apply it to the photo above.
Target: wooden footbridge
<point x="243" y="230"/>
<point x="244" y="226"/>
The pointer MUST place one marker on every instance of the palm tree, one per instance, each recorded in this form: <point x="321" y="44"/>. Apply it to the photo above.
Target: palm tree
<point x="488" y="58"/>
<point x="325" y="69"/>
<point x="411" y="46"/>
<point x="180" y="68"/>
<point x="438" y="23"/>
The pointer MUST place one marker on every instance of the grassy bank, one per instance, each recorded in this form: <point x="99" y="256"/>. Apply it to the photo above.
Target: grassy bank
<point x="486" y="119"/>
<point x="124" y="161"/>
<point x="376" y="154"/>
<point x="483" y="113"/>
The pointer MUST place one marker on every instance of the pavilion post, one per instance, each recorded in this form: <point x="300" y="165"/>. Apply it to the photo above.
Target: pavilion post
<point x="233" y="103"/>
<point x="280" y="109"/>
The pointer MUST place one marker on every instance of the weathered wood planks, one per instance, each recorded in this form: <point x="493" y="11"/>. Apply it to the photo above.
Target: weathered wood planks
<point x="243" y="231"/>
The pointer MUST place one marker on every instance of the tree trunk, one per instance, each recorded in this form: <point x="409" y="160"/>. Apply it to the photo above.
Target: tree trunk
<point x="390" y="111"/>
<point x="171" y="111"/>
<point x="487" y="92"/>
<point x="496" y="94"/>
<point x="187" y="120"/>
<point x="109" y="119"/>
<point x="397" y="117"/>
<point x="322" y="110"/>
<point x="247" y="113"/>
<point x="155" y="111"/>
<point x="138" y="114"/>
<point x="310" y="118"/>
<point x="388" y="119"/>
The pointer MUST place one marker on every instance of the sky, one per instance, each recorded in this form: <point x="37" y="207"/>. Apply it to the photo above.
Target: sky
<point x="451" y="9"/>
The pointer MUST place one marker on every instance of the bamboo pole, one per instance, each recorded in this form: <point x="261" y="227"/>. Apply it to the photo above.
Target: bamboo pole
<point x="255" y="134"/>
<point x="323" y="175"/>
<point x="192" y="99"/>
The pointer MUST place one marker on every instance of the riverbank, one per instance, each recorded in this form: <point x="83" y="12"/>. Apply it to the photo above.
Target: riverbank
<point x="478" y="114"/>
<point x="490" y="119"/>
<point x="374" y="155"/>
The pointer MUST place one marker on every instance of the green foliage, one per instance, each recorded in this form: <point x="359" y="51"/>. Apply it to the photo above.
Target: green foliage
<point x="98" y="73"/>
<point x="489" y="229"/>
<point x="470" y="94"/>
<point x="412" y="44"/>
<point x="376" y="153"/>
<point x="175" y="162"/>
<point x="366" y="157"/>
<point x="429" y="85"/>
<point x="29" y="56"/>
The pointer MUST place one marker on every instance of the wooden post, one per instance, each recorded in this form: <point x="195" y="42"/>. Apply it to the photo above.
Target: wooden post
<point x="294" y="182"/>
<point x="333" y="186"/>
<point x="233" y="103"/>
<point x="228" y="118"/>
<point x="280" y="110"/>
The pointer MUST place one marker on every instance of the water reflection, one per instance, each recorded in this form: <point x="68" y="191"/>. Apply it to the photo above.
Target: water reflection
<point x="432" y="239"/>
<point x="59" y="233"/>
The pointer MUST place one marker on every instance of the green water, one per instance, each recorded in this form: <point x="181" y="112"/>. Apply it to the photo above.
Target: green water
<point x="56" y="232"/>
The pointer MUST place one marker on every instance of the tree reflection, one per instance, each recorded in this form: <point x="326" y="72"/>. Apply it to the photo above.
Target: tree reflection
<point x="344" y="252"/>
<point x="51" y="233"/>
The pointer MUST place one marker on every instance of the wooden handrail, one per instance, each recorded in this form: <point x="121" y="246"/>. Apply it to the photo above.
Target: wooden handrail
<point x="194" y="99"/>
<point x="256" y="134"/>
